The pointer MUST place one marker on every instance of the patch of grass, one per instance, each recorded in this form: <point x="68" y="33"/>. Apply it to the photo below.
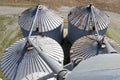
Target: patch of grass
<point x="65" y="24"/>
<point x="6" y="32"/>
<point x="17" y="5"/>
<point x="108" y="5"/>
<point x="8" y="35"/>
<point x="6" y="20"/>
<point x="113" y="33"/>
<point x="2" y="26"/>
<point x="10" y="20"/>
<point x="1" y="35"/>
<point x="6" y="43"/>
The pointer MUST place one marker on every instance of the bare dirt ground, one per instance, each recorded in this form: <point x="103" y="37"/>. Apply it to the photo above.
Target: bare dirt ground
<point x="4" y="10"/>
<point x="114" y="18"/>
<point x="63" y="11"/>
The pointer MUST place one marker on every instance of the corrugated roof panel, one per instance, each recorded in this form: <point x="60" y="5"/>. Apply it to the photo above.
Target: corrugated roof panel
<point x="39" y="76"/>
<point x="101" y="67"/>
<point x="82" y="17"/>
<point x="46" y="19"/>
<point x="86" y="47"/>
<point x="19" y="61"/>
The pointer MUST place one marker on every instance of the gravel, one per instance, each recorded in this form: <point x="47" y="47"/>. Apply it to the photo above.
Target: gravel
<point x="64" y="10"/>
<point x="114" y="18"/>
<point x="4" y="10"/>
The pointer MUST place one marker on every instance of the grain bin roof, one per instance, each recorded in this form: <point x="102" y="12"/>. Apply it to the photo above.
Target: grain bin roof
<point x="20" y="60"/>
<point x="88" y="17"/>
<point x="39" y="76"/>
<point x="46" y="19"/>
<point x="101" y="67"/>
<point x="86" y="47"/>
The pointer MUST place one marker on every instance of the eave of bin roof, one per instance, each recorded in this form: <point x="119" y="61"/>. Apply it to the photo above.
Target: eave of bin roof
<point x="87" y="17"/>
<point x="46" y="19"/>
<point x="15" y="65"/>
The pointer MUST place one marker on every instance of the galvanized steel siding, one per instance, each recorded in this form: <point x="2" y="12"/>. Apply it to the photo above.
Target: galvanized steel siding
<point x="46" y="19"/>
<point x="56" y="34"/>
<point x="47" y="23"/>
<point x="86" y="17"/>
<point x="86" y="20"/>
<point x="85" y="47"/>
<point x="74" y="33"/>
<point x="101" y="67"/>
<point x="39" y="76"/>
<point x="31" y="61"/>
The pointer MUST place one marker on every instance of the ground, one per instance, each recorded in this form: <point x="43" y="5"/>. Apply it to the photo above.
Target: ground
<point x="11" y="31"/>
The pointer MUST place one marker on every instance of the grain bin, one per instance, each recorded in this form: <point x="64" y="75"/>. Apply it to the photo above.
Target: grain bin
<point x="21" y="58"/>
<point x="85" y="21"/>
<point x="46" y="23"/>
<point x="39" y="76"/>
<point x="101" y="67"/>
<point x="86" y="47"/>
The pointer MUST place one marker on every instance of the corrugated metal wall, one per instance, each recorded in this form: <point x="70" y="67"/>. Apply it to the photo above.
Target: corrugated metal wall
<point x="88" y="20"/>
<point x="47" y="22"/>
<point x="19" y="61"/>
<point x="86" y="47"/>
<point x="101" y="67"/>
<point x="74" y="33"/>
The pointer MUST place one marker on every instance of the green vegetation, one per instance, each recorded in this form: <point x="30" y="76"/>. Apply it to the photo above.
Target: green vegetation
<point x="9" y="36"/>
<point x="2" y="26"/>
<point x="113" y="33"/>
<point x="66" y="24"/>
<point x="9" y="33"/>
<point x="18" y="5"/>
<point x="108" y="5"/>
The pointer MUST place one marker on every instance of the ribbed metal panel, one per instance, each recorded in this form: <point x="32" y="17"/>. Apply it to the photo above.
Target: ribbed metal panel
<point x="38" y="76"/>
<point x="15" y="65"/>
<point x="101" y="67"/>
<point x="46" y="19"/>
<point x="88" y="18"/>
<point x="86" y="47"/>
